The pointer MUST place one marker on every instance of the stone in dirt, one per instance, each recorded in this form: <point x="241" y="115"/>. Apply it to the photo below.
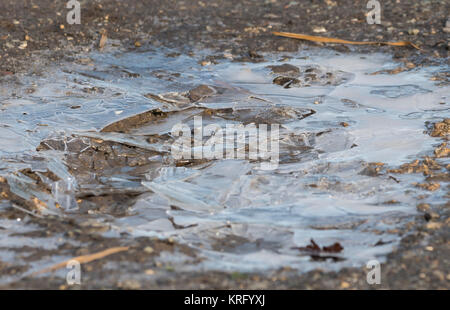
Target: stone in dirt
<point x="305" y="76"/>
<point x="200" y="92"/>
<point x="286" y="69"/>
<point x="285" y="81"/>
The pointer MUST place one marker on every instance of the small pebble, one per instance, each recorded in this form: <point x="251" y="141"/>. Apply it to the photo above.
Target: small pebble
<point x="149" y="272"/>
<point x="23" y="45"/>
<point x="319" y="29"/>
<point x="423" y="207"/>
<point x="345" y="285"/>
<point x="433" y="225"/>
<point x="149" y="250"/>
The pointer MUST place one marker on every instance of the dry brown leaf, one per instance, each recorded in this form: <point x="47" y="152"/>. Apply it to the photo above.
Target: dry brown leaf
<point x="334" y="40"/>
<point x="83" y="259"/>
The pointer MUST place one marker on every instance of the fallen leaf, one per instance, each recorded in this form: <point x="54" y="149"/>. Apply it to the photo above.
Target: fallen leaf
<point x="334" y="248"/>
<point x="314" y="247"/>
<point x="311" y="247"/>
<point x="334" y="40"/>
<point x="316" y="252"/>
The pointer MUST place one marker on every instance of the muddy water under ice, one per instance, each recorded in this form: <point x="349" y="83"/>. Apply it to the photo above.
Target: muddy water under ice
<point x="236" y="215"/>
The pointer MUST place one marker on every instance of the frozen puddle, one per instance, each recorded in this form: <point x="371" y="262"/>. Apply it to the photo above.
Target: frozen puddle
<point x="76" y="121"/>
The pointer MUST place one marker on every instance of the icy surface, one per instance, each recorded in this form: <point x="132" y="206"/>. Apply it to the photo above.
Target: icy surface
<point x="318" y="190"/>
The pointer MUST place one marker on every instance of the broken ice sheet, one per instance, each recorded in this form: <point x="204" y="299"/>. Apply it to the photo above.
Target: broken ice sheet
<point x="236" y="216"/>
<point x="399" y="91"/>
<point x="13" y="142"/>
<point x="36" y="183"/>
<point x="205" y="191"/>
<point x="185" y="195"/>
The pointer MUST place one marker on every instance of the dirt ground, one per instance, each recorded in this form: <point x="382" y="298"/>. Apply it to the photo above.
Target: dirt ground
<point x="242" y="28"/>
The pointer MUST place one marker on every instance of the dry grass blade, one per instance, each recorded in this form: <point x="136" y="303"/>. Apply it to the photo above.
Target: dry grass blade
<point x="103" y="40"/>
<point x="83" y="259"/>
<point x="340" y="41"/>
<point x="26" y="211"/>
